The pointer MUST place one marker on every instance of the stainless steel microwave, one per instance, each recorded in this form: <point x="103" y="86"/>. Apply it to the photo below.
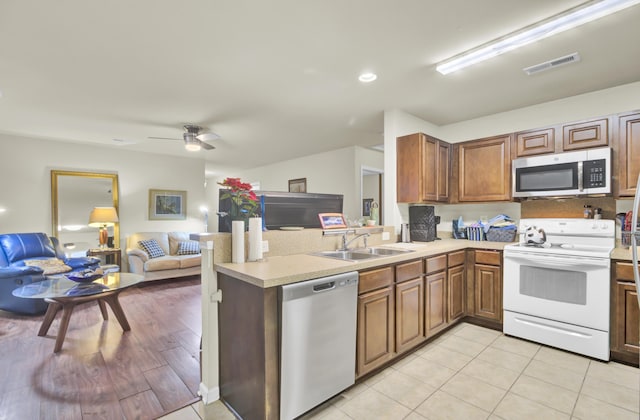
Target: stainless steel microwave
<point x="572" y="173"/>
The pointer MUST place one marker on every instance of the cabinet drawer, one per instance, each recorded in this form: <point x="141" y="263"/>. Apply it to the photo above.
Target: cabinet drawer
<point x="408" y="271"/>
<point x="375" y="279"/>
<point x="624" y="271"/>
<point x="438" y="263"/>
<point x="488" y="257"/>
<point x="456" y="258"/>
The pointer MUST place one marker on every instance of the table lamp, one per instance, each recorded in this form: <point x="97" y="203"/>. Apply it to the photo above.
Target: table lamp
<point x="102" y="217"/>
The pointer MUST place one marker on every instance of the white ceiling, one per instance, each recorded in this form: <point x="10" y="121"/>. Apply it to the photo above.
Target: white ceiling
<point x="278" y="79"/>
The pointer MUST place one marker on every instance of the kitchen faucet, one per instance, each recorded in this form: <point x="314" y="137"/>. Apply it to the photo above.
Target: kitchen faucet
<point x="346" y="243"/>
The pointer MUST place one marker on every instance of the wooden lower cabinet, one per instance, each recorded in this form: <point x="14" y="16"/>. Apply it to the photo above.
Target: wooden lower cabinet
<point x="486" y="285"/>
<point x="409" y="314"/>
<point x="375" y="342"/>
<point x="457" y="285"/>
<point x="401" y="305"/>
<point x="625" y="334"/>
<point x="488" y="292"/>
<point x="436" y="303"/>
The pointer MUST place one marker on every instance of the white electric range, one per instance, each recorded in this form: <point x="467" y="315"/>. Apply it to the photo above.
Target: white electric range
<point x="558" y="293"/>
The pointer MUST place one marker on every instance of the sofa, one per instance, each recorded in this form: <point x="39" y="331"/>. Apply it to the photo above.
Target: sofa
<point x="163" y="255"/>
<point x="27" y="258"/>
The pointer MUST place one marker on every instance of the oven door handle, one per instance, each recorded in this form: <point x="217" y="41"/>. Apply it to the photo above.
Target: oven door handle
<point x="564" y="262"/>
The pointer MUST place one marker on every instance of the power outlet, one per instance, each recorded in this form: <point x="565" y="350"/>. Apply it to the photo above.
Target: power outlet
<point x="386" y="236"/>
<point x="265" y="246"/>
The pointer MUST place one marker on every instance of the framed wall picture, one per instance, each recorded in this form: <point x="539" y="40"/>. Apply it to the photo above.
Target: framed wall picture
<point x="298" y="185"/>
<point x="332" y="220"/>
<point x="167" y="205"/>
<point x="366" y="206"/>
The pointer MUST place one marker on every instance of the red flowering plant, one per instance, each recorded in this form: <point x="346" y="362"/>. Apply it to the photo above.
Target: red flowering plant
<point x="244" y="202"/>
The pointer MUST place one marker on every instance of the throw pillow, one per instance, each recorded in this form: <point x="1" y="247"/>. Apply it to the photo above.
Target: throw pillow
<point x="49" y="265"/>
<point x="152" y="247"/>
<point x="188" y="248"/>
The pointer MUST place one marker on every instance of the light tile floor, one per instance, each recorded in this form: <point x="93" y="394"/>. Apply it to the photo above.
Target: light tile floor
<point x="472" y="372"/>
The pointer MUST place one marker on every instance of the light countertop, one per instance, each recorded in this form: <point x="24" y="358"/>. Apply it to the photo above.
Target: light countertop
<point x="281" y="270"/>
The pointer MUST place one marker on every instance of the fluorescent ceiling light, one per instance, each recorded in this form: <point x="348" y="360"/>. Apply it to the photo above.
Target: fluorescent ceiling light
<point x="570" y="19"/>
<point x="369" y="77"/>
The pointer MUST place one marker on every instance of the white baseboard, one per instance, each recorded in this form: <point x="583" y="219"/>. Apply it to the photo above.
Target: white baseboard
<point x="208" y="395"/>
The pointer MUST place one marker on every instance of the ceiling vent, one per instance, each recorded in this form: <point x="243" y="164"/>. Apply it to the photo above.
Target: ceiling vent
<point x="556" y="62"/>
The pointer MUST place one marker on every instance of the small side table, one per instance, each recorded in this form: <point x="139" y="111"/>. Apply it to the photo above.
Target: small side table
<point x="111" y="255"/>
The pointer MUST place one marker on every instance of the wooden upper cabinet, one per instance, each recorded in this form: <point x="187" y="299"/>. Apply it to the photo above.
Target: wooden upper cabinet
<point x="535" y="142"/>
<point x="628" y="137"/>
<point x="484" y="169"/>
<point x="422" y="167"/>
<point x="443" y="171"/>
<point x="584" y="135"/>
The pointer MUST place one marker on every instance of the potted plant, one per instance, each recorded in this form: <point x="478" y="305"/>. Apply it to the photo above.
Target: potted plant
<point x="243" y="201"/>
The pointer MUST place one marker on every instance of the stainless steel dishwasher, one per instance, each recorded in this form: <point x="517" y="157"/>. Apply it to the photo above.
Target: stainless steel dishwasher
<point x="318" y="344"/>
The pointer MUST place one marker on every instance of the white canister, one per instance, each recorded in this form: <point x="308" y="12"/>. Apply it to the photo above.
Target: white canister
<point x="237" y="241"/>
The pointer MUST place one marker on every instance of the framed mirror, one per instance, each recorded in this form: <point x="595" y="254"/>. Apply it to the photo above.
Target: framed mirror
<point x="73" y="196"/>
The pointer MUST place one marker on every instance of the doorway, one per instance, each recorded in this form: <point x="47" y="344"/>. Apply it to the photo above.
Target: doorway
<point x="371" y="184"/>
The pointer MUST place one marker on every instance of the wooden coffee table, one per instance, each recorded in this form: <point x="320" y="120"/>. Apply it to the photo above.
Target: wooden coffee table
<point x="64" y="294"/>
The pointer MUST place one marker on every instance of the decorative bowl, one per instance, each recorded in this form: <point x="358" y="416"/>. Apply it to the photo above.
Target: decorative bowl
<point x="84" y="277"/>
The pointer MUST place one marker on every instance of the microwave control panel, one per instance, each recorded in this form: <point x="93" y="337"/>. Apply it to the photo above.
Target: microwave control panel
<point x="594" y="173"/>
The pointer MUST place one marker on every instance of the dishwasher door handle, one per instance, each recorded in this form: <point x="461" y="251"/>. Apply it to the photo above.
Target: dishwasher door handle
<point x="324" y="287"/>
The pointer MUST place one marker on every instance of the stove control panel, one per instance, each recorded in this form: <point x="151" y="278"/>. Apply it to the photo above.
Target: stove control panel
<point x="572" y="227"/>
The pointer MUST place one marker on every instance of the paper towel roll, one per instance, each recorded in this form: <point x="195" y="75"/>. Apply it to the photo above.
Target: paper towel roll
<point x="237" y="241"/>
<point x="255" y="238"/>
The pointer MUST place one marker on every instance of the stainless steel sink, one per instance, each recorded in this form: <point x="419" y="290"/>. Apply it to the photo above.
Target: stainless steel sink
<point x="346" y="255"/>
<point x="385" y="251"/>
<point x="361" y="253"/>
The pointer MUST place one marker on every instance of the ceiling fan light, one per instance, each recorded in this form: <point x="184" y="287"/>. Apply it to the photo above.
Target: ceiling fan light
<point x="190" y="142"/>
<point x="192" y="147"/>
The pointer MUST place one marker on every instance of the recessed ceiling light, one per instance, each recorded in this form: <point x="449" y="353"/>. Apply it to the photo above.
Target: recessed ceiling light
<point x="367" y="77"/>
<point x="554" y="25"/>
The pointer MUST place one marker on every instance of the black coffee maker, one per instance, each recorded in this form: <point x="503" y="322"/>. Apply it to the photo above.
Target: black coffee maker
<point x="422" y="223"/>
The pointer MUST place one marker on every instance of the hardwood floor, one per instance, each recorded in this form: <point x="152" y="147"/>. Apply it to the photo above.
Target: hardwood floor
<point x="102" y="372"/>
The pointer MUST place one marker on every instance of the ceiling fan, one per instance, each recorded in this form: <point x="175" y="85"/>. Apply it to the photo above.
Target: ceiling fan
<point x="194" y="138"/>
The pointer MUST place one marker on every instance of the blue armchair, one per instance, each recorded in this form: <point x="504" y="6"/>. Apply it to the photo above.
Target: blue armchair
<point x="22" y="258"/>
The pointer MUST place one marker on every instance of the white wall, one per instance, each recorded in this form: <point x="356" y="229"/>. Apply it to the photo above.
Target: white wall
<point x="398" y="123"/>
<point x="333" y="172"/>
<point x="25" y="165"/>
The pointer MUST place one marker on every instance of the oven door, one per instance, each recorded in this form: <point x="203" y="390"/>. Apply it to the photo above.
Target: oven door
<point x="568" y="289"/>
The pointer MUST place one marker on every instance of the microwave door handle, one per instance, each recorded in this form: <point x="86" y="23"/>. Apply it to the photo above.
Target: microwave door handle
<point x="580" y="176"/>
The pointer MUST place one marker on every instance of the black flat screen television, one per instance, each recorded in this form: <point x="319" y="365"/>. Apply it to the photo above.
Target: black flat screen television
<point x="284" y="209"/>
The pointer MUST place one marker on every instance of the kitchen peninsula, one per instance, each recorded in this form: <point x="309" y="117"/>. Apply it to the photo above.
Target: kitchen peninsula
<point x="249" y="324"/>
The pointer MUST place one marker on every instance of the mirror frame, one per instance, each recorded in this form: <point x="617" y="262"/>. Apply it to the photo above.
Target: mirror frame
<point x="55" y="174"/>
